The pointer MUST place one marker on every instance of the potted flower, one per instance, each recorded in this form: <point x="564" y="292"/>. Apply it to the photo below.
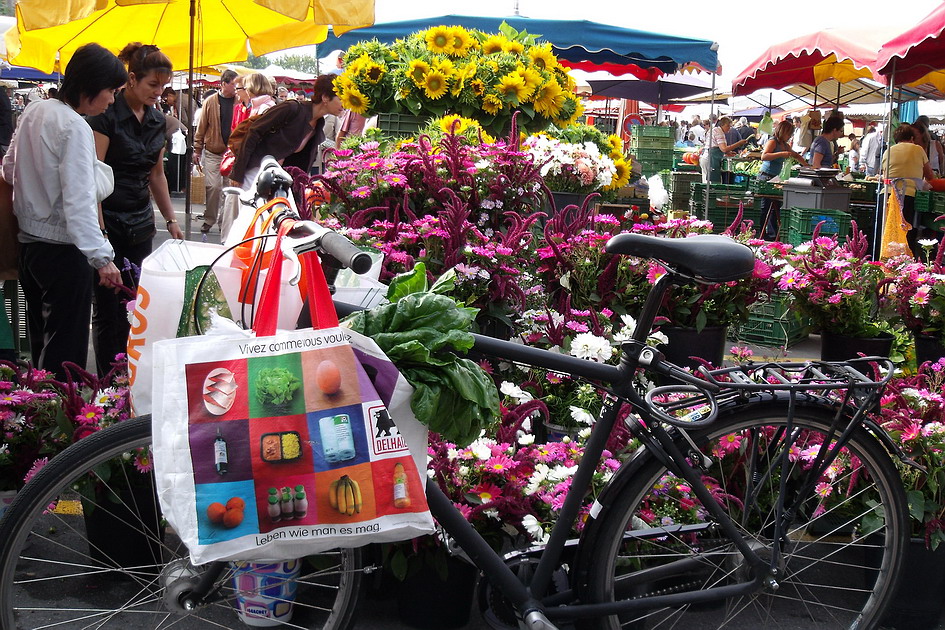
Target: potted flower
<point x="578" y="160"/>
<point x="43" y="416"/>
<point x="450" y="69"/>
<point x="917" y="292"/>
<point x="838" y="286"/>
<point x="913" y="413"/>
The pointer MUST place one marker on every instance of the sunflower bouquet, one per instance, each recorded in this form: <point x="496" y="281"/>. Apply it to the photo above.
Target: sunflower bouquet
<point x="451" y="69"/>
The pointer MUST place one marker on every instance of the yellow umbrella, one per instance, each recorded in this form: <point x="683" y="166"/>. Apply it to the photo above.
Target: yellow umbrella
<point x="343" y="15"/>
<point x="45" y="13"/>
<point x="225" y="30"/>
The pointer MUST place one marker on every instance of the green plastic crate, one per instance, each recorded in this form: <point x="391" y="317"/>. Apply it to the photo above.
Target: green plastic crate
<point x="723" y="217"/>
<point x="802" y="221"/>
<point x="778" y="304"/>
<point x="773" y="332"/>
<point x="651" y="142"/>
<point x="400" y="125"/>
<point x="698" y="188"/>
<point x="864" y="191"/>
<point x="640" y="131"/>
<point x="923" y="200"/>
<point x="937" y="202"/>
<point x="653" y="155"/>
<point x="765" y="188"/>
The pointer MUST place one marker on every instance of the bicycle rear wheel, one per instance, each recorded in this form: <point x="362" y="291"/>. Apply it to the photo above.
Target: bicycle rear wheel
<point x="54" y="574"/>
<point x="839" y="560"/>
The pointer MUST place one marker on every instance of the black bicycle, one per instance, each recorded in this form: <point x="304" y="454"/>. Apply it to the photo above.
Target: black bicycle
<point x="763" y="496"/>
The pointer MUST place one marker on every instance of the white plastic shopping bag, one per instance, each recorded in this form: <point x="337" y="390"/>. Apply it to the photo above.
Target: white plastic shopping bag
<point x="277" y="447"/>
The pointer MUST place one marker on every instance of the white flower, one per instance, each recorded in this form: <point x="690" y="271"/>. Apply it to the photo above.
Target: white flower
<point x="534" y="528"/>
<point x="928" y="242"/>
<point x="590" y="346"/>
<point x="514" y="391"/>
<point x="560" y="473"/>
<point x="581" y="415"/>
<point x="463" y="471"/>
<point x="493" y="514"/>
<point x="481" y="451"/>
<point x="584" y="433"/>
<point x="537" y="477"/>
<point x="526" y="438"/>
<point x="657" y="338"/>
<point x="452" y="454"/>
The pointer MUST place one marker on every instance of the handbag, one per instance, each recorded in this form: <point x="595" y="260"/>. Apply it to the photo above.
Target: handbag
<point x="9" y="244"/>
<point x="227" y="162"/>
<point x="282" y="445"/>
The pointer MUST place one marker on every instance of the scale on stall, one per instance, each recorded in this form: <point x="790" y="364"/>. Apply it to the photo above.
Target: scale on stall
<point x="816" y="188"/>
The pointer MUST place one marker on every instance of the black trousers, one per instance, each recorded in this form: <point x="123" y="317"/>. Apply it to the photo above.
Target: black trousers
<point x="110" y="325"/>
<point x="57" y="283"/>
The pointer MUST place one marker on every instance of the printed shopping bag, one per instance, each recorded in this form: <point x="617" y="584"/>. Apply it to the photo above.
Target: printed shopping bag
<point x="283" y="445"/>
<point x="167" y="304"/>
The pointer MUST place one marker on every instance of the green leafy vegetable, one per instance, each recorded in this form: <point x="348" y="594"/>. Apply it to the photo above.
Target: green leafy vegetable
<point x="421" y="334"/>
<point x="276" y="386"/>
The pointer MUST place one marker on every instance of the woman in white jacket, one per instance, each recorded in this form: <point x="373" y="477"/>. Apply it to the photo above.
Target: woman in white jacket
<point x="57" y="184"/>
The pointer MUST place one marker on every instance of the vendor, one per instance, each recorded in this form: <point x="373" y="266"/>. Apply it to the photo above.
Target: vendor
<point x="821" y="149"/>
<point x="777" y="149"/>
<point x="720" y="146"/>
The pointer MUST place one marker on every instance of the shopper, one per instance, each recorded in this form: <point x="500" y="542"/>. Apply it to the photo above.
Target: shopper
<point x="130" y="137"/>
<point x="905" y="164"/>
<point x="56" y="188"/>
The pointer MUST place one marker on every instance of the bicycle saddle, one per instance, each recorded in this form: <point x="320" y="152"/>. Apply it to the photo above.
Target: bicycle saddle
<point x="706" y="257"/>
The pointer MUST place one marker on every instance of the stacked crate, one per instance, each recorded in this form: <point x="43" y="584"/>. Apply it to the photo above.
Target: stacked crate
<point x="802" y="221"/>
<point x="723" y="206"/>
<point x="680" y="188"/>
<point x="653" y="148"/>
<point x="773" y="324"/>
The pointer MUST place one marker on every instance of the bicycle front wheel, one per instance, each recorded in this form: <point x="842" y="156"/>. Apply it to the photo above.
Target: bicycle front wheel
<point x="838" y="558"/>
<point x="57" y="570"/>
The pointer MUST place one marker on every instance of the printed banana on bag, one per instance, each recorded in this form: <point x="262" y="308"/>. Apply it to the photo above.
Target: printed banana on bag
<point x="344" y="495"/>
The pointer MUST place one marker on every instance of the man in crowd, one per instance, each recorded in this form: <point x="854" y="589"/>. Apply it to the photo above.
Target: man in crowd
<point x="213" y="132"/>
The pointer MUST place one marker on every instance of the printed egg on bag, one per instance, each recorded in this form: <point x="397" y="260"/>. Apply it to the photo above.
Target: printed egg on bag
<point x="328" y="377"/>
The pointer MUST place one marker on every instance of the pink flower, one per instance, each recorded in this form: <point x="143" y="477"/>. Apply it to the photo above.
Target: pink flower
<point x="35" y="468"/>
<point x="486" y="492"/>
<point x="730" y="443"/>
<point x="823" y="489"/>
<point x="90" y="414"/>
<point x="143" y="462"/>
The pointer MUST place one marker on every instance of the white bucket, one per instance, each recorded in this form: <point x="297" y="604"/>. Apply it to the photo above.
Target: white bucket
<point x="265" y="591"/>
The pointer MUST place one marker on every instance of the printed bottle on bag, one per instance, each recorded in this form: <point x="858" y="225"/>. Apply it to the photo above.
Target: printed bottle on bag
<point x="337" y="439"/>
<point x="301" y="503"/>
<point x="275" y="510"/>
<point x="401" y="498"/>
<point x="288" y="507"/>
<point x="219" y="454"/>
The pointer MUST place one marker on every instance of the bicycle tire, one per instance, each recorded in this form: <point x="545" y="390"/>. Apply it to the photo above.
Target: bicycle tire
<point x="829" y="576"/>
<point x="49" y="577"/>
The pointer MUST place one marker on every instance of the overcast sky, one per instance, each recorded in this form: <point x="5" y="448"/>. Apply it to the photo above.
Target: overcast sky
<point x="743" y="30"/>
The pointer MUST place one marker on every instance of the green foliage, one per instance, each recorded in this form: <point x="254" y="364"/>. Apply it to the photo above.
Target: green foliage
<point x="421" y="333"/>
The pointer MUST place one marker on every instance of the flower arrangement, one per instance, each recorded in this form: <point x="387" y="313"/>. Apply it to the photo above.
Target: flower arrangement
<point x="574" y="167"/>
<point x="913" y="412"/>
<point x="42" y="416"/>
<point x="836" y="284"/>
<point x="449" y="69"/>
<point x="917" y="292"/>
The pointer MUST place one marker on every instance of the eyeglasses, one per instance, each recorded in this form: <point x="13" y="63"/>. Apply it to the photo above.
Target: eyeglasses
<point x="240" y="88"/>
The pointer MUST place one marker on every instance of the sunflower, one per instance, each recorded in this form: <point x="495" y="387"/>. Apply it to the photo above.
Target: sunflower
<point x="342" y="82"/>
<point x="531" y="76"/>
<point x="373" y="72"/>
<point x="512" y="88"/>
<point x="491" y="104"/>
<point x="439" y="39"/>
<point x="513" y="47"/>
<point x="462" y="42"/>
<point x="354" y="100"/>
<point x="444" y="65"/>
<point x="417" y="70"/>
<point x="435" y="84"/>
<point x="542" y="57"/>
<point x="549" y="98"/>
<point x="477" y="86"/>
<point x="460" y="78"/>
<point x="621" y="176"/>
<point x="616" y="146"/>
<point x="454" y="123"/>
<point x="493" y="44"/>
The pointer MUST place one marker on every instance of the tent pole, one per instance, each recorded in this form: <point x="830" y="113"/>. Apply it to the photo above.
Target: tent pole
<point x="188" y="154"/>
<point x="708" y="183"/>
<point x="883" y="197"/>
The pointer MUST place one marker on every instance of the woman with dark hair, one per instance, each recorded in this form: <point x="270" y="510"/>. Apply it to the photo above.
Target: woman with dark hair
<point x="777" y="149"/>
<point x="57" y="184"/>
<point x="130" y="137"/>
<point x="290" y="132"/>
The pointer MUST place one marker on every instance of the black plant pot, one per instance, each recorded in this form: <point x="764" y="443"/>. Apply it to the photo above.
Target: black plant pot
<point x="928" y="348"/>
<point x="834" y="347"/>
<point x="919" y="602"/>
<point x="127" y="532"/>
<point x="427" y="602"/>
<point x="687" y="345"/>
